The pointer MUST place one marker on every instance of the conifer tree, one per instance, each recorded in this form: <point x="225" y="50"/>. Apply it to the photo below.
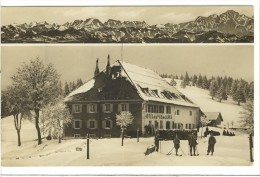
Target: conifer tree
<point x="183" y="84"/>
<point x="239" y="95"/>
<point x="213" y="88"/>
<point x="199" y="82"/>
<point x="181" y="78"/>
<point x="173" y="82"/>
<point x="194" y="80"/>
<point x="79" y="83"/>
<point x="233" y="89"/>
<point x="250" y="96"/>
<point x="66" y="89"/>
<point x="221" y="93"/>
<point x="205" y="84"/>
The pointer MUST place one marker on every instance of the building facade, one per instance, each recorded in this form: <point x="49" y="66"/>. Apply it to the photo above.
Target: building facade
<point x="153" y="103"/>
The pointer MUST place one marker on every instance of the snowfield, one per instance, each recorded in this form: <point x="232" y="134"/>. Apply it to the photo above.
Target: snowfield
<point x="228" y="108"/>
<point x="229" y="151"/>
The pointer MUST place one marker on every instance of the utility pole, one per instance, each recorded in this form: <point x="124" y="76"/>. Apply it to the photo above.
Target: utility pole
<point x="137" y="134"/>
<point x="250" y="147"/>
<point x="88" y="146"/>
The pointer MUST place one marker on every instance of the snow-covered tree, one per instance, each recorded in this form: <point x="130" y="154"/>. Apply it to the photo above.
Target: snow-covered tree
<point x="183" y="84"/>
<point x="205" y="83"/>
<point x="204" y="122"/>
<point x="66" y="89"/>
<point x="233" y="89"/>
<point x="123" y="119"/>
<point x="221" y="93"/>
<point x="213" y="88"/>
<point x="199" y="81"/>
<point x="250" y="95"/>
<point x="79" y="83"/>
<point x="239" y="94"/>
<point x="247" y="116"/>
<point x="40" y="83"/>
<point x="55" y="117"/>
<point x="173" y="82"/>
<point x="194" y="80"/>
<point x="16" y="105"/>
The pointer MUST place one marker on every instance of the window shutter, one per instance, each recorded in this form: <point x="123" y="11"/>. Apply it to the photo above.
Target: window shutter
<point x="111" y="107"/>
<point x="103" y="108"/>
<point x="95" y="105"/>
<point x="103" y="124"/>
<point x="88" y="108"/>
<point x="96" y="124"/>
<point x="119" y="107"/>
<point x="88" y="124"/>
<point x="127" y="107"/>
<point x="111" y="124"/>
<point x="80" y="108"/>
<point x="80" y="124"/>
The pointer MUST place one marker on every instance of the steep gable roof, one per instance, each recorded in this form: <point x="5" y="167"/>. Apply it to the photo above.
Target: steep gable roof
<point x="213" y="115"/>
<point x="149" y="85"/>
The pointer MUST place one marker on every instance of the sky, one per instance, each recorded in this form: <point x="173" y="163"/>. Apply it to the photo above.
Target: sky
<point x="73" y="62"/>
<point x="151" y="15"/>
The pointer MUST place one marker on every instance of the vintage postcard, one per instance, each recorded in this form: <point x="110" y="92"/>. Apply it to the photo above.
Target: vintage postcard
<point x="160" y="88"/>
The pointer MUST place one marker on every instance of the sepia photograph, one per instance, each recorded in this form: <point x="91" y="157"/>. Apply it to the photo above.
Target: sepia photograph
<point x="127" y="105"/>
<point x="120" y="88"/>
<point x="140" y="24"/>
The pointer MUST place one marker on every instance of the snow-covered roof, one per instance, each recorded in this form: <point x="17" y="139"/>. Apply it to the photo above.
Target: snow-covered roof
<point x="213" y="115"/>
<point x="150" y="86"/>
<point x="84" y="88"/>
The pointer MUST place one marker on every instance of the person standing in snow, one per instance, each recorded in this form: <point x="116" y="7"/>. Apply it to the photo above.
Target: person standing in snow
<point x="211" y="144"/>
<point x="156" y="140"/>
<point x="176" y="142"/>
<point x="192" y="143"/>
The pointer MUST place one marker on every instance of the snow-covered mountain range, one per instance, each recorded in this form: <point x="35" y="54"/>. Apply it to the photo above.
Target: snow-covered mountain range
<point x="227" y="27"/>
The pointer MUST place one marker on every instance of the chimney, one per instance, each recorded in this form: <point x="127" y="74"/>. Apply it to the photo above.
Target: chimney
<point x="108" y="68"/>
<point x="97" y="69"/>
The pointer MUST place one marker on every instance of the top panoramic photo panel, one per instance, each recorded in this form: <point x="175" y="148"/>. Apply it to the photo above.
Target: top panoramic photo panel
<point x="140" y="24"/>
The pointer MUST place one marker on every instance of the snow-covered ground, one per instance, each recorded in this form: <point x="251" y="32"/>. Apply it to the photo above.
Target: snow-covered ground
<point x="229" y="109"/>
<point x="229" y="151"/>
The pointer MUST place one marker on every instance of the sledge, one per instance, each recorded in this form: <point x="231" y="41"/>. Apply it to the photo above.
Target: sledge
<point x="149" y="150"/>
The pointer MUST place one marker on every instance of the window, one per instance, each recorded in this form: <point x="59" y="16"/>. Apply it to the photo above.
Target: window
<point x="155" y="108"/>
<point x="150" y="108"/>
<point x="161" y="109"/>
<point x="123" y="107"/>
<point x="107" y="124"/>
<point x="189" y="126"/>
<point x="168" y="125"/>
<point x="92" y="124"/>
<point x="178" y="112"/>
<point x="168" y="110"/>
<point x="77" y="124"/>
<point x="173" y="126"/>
<point x="107" y="108"/>
<point x="92" y="108"/>
<point x="150" y="122"/>
<point x="190" y="113"/>
<point x="161" y="124"/>
<point x="155" y="124"/>
<point x="76" y="108"/>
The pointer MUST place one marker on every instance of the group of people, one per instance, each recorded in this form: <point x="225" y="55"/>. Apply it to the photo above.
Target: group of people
<point x="227" y="133"/>
<point x="192" y="141"/>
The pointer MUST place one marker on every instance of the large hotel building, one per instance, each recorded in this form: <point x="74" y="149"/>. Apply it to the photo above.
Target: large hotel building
<point x="122" y="86"/>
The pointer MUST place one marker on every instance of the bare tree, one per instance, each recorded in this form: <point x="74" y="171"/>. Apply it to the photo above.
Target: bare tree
<point x="55" y="117"/>
<point x="16" y="100"/>
<point x="41" y="85"/>
<point x="232" y="124"/>
<point x="123" y="119"/>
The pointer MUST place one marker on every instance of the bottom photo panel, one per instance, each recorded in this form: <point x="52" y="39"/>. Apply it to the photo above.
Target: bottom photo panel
<point x="127" y="105"/>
